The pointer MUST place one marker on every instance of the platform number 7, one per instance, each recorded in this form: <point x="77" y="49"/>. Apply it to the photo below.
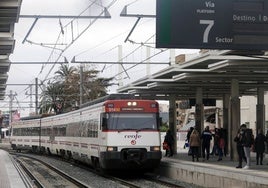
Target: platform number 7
<point x="210" y="24"/>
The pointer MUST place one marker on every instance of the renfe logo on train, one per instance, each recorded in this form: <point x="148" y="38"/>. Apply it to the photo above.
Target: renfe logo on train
<point x="133" y="136"/>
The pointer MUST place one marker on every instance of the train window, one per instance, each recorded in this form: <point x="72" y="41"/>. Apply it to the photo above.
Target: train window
<point x="83" y="129"/>
<point x="32" y="131"/>
<point x="45" y="131"/>
<point x="69" y="130"/>
<point x="49" y="131"/>
<point x="59" y="130"/>
<point x="103" y="121"/>
<point x="55" y="131"/>
<point x="96" y="129"/>
<point x="20" y="132"/>
<point x="104" y="124"/>
<point x="15" y="132"/>
<point x="62" y="131"/>
<point x="159" y="122"/>
<point x="132" y="121"/>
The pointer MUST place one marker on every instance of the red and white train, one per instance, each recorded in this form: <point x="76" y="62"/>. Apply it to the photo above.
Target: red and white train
<point x="113" y="132"/>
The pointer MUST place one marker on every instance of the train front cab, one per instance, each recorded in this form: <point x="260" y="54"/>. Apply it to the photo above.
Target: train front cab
<point x="120" y="154"/>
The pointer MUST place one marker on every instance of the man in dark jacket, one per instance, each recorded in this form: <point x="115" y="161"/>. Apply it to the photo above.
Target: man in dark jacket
<point x="206" y="138"/>
<point x="259" y="146"/>
<point x="239" y="146"/>
<point x="169" y="140"/>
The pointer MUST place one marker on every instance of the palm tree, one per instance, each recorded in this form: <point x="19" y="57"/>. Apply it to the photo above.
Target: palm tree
<point x="64" y="92"/>
<point x="65" y="71"/>
<point x="52" y="98"/>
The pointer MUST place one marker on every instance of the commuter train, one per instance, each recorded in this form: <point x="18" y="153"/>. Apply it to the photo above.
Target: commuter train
<point x="113" y="132"/>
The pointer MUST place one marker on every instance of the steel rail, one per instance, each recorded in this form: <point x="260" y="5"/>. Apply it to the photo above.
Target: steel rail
<point x="59" y="172"/>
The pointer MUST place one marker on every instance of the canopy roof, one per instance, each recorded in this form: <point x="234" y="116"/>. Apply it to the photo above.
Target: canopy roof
<point x="9" y="14"/>
<point x="213" y="71"/>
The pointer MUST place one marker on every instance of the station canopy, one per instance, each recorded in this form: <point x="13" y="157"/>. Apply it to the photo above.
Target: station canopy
<point x="9" y="14"/>
<point x="212" y="70"/>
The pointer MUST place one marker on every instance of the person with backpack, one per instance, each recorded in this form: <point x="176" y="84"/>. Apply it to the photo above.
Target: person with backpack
<point x="239" y="146"/>
<point x="206" y="137"/>
<point x="247" y="141"/>
<point x="259" y="146"/>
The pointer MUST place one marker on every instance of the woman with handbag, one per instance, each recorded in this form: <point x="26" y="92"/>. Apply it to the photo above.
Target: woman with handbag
<point x="195" y="144"/>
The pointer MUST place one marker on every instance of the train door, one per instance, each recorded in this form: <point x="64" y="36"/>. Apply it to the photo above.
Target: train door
<point x="51" y="134"/>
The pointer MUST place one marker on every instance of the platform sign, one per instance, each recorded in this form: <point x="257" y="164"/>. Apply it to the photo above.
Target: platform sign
<point x="212" y="24"/>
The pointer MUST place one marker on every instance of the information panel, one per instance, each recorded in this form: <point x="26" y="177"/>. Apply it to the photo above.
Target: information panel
<point x="212" y="24"/>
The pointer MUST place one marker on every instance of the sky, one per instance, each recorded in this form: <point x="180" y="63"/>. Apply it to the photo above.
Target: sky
<point x="85" y="39"/>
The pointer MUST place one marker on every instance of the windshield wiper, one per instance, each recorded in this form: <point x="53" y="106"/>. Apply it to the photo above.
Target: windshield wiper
<point x="146" y="128"/>
<point x="126" y="129"/>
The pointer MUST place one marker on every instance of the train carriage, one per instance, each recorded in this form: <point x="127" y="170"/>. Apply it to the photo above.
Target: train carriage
<point x="114" y="132"/>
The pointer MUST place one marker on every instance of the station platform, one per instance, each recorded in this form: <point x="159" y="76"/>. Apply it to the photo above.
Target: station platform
<point x="9" y="175"/>
<point x="214" y="173"/>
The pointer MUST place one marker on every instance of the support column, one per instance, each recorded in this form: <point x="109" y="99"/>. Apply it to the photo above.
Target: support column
<point x="172" y="120"/>
<point x="225" y="120"/>
<point x="260" y="111"/>
<point x="172" y="56"/>
<point x="225" y="109"/>
<point x="234" y="117"/>
<point x="199" y="110"/>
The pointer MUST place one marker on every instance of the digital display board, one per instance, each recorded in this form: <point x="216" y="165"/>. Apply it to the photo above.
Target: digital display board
<point x="212" y="24"/>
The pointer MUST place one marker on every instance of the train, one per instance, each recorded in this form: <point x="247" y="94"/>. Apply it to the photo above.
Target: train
<point x="114" y="132"/>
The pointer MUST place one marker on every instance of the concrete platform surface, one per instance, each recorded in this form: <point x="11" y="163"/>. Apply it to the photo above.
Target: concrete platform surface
<point x="214" y="173"/>
<point x="9" y="176"/>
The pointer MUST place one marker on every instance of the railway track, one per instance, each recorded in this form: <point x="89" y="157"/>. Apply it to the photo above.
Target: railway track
<point x="45" y="175"/>
<point x="144" y="181"/>
<point x="33" y="161"/>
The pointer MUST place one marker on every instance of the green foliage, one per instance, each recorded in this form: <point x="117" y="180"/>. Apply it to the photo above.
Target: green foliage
<point x="164" y="127"/>
<point x="63" y="93"/>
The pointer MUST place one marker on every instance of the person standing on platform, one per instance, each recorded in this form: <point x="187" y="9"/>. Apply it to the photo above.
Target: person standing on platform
<point x="206" y="138"/>
<point x="221" y="144"/>
<point x="215" y="143"/>
<point x="189" y="133"/>
<point x="195" y="144"/>
<point x="239" y="146"/>
<point x="247" y="142"/>
<point x="259" y="146"/>
<point x="266" y="141"/>
<point x="188" y="138"/>
<point x="170" y="141"/>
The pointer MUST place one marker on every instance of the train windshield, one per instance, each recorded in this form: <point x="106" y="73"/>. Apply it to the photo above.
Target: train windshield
<point x="132" y="121"/>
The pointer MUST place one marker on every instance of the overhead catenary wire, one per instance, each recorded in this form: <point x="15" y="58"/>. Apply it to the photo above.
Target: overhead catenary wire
<point x="93" y="21"/>
<point x="110" y="39"/>
<point x="132" y="52"/>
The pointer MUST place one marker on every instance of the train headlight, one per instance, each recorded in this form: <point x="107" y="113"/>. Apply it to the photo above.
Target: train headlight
<point x="110" y="148"/>
<point x="155" y="148"/>
<point x="132" y="103"/>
